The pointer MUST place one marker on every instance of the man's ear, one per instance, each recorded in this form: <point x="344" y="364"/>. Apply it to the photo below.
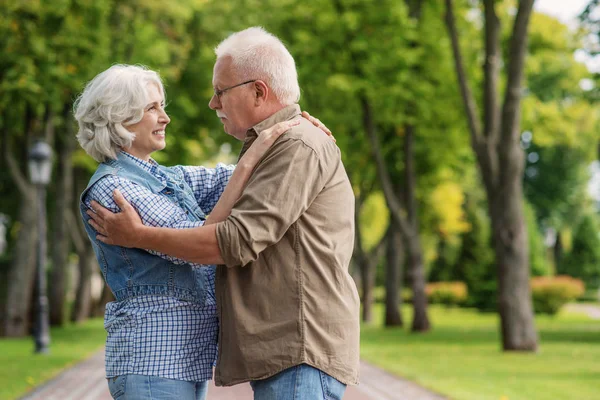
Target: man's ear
<point x="261" y="92"/>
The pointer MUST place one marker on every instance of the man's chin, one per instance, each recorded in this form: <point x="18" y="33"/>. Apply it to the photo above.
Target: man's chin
<point x="232" y="132"/>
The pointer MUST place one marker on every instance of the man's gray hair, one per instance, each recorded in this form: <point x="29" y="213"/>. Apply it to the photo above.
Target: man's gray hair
<point x="111" y="101"/>
<point x="257" y="54"/>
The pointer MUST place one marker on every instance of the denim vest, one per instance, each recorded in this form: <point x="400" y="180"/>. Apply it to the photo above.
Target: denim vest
<point x="135" y="272"/>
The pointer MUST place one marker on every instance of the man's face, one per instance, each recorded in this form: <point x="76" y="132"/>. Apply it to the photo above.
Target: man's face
<point x="235" y="107"/>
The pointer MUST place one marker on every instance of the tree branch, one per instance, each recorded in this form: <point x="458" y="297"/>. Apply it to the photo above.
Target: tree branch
<point x="386" y="183"/>
<point x="491" y="68"/>
<point x="469" y="102"/>
<point x="409" y="177"/>
<point x="49" y="125"/>
<point x="17" y="175"/>
<point x="512" y="97"/>
<point x="75" y="231"/>
<point x="512" y="157"/>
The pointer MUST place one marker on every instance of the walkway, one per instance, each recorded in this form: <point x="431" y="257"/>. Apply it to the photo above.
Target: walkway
<point x="85" y="381"/>
<point x="591" y="310"/>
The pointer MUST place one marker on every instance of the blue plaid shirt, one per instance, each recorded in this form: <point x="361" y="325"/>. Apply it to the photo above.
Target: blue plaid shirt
<point x="160" y="335"/>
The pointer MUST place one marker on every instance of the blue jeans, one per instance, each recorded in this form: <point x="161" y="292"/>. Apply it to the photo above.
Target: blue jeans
<point x="301" y="382"/>
<point x="142" y="387"/>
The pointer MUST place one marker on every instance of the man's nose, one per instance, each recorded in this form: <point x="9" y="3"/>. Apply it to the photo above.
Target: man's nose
<point x="214" y="103"/>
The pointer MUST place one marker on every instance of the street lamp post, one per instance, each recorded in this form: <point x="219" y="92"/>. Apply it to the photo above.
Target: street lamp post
<point x="40" y="167"/>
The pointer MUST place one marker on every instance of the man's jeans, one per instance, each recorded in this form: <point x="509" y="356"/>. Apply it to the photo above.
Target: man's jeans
<point x="301" y="382"/>
<point x="142" y="387"/>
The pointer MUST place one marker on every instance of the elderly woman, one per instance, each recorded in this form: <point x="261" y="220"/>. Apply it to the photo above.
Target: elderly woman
<point x="162" y="328"/>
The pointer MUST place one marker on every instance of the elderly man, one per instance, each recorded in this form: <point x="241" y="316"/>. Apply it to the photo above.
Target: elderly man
<point x="289" y="310"/>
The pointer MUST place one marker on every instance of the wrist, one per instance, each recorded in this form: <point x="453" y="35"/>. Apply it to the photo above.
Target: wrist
<point x="144" y="235"/>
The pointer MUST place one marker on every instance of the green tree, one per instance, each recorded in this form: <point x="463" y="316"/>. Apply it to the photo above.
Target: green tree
<point x="560" y="127"/>
<point x="584" y="259"/>
<point x="497" y="147"/>
<point x="538" y="259"/>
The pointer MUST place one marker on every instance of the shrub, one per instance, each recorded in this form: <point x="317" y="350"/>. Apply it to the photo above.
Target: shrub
<point x="551" y="293"/>
<point x="475" y="264"/>
<point x="448" y="293"/>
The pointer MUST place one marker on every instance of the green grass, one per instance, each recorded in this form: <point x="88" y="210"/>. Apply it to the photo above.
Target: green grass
<point x="462" y="358"/>
<point x="21" y="370"/>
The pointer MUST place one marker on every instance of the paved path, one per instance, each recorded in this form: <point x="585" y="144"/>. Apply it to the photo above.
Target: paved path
<point x="592" y="310"/>
<point x="85" y="381"/>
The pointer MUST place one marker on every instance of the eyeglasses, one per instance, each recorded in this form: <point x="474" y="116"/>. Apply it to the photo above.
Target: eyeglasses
<point x="219" y="92"/>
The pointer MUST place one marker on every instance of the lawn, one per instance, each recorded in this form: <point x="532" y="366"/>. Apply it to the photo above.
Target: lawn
<point x="21" y="369"/>
<point x="461" y="357"/>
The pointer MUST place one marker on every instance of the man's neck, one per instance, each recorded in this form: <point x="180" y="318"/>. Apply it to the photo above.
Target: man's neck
<point x="266" y="111"/>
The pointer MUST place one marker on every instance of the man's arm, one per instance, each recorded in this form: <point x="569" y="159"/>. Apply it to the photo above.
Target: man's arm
<point x="197" y="245"/>
<point x="283" y="186"/>
<point x="154" y="210"/>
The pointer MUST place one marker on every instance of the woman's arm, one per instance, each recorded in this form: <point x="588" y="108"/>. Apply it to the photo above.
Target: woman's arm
<point x="244" y="169"/>
<point x="208" y="184"/>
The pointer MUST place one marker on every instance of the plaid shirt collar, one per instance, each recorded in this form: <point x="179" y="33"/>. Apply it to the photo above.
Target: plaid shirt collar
<point x="149" y="166"/>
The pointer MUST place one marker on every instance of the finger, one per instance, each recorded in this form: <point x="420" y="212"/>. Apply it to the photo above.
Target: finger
<point x="96" y="217"/>
<point x="323" y="127"/>
<point x="281" y="127"/>
<point x="286" y="126"/>
<point x="99" y="209"/>
<point x="104" y="239"/>
<point x="306" y="115"/>
<point x="97" y="227"/>
<point x="120" y="200"/>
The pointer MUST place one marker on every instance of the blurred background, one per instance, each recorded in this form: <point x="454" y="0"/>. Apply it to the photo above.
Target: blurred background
<point x="477" y="251"/>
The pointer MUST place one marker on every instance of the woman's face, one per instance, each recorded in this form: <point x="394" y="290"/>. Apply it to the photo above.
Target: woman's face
<point x="150" y="131"/>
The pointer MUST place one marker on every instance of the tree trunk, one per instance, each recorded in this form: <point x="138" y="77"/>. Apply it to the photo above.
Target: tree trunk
<point x="404" y="215"/>
<point x="416" y="268"/>
<point x="83" y="305"/>
<point x="105" y="297"/>
<point x="416" y="273"/>
<point x="367" y="262"/>
<point x="21" y="274"/>
<point x="82" y="308"/>
<point x="393" y="276"/>
<point x="512" y="258"/>
<point x="364" y="264"/>
<point x="368" y="281"/>
<point x="501" y="161"/>
<point x="60" y="236"/>
<point x="557" y="253"/>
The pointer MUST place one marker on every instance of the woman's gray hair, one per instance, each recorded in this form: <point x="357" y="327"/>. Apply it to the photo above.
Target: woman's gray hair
<point x="111" y="101"/>
<point x="257" y="54"/>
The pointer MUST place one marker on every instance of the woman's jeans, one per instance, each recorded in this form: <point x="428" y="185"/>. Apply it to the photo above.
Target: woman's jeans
<point x="142" y="387"/>
<point x="301" y="382"/>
